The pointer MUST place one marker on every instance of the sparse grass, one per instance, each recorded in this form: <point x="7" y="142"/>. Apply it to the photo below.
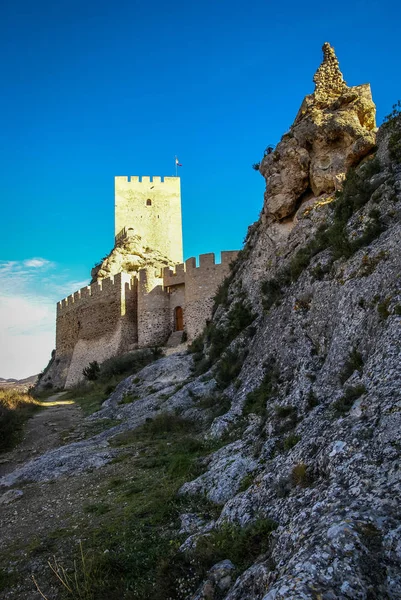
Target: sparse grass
<point x="246" y="482"/>
<point x="95" y="427"/>
<point x="7" y="579"/>
<point x="97" y="509"/>
<point x="256" y="400"/>
<point x="134" y="544"/>
<point x="211" y="345"/>
<point x="15" y="409"/>
<point x="228" y="367"/>
<point x="218" y="403"/>
<point x="90" y="395"/>
<point x="241" y="545"/>
<point x="128" y="398"/>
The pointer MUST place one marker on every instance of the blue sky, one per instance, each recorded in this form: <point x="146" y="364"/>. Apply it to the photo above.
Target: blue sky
<point x="91" y="90"/>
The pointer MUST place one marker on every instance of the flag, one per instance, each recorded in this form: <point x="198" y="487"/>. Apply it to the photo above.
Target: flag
<point x="177" y="162"/>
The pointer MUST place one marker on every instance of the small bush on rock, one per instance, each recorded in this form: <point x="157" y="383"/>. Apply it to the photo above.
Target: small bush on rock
<point x="344" y="404"/>
<point x="257" y="399"/>
<point x="354" y="363"/>
<point x="290" y="441"/>
<point x="91" y="372"/>
<point x="300" y="476"/>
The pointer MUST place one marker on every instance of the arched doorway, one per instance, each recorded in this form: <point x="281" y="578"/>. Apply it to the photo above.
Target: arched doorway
<point x="178" y="319"/>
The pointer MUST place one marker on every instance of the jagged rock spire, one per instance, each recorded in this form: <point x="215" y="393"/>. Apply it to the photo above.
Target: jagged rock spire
<point x="328" y="79"/>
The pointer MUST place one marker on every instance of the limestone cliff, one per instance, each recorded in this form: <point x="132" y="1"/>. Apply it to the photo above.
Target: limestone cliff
<point x="334" y="129"/>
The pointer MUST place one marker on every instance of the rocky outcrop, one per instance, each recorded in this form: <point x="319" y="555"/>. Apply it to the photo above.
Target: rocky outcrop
<point x="334" y="129"/>
<point x="129" y="255"/>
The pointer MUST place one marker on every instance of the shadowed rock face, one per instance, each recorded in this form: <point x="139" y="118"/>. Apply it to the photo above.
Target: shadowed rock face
<point x="334" y="129"/>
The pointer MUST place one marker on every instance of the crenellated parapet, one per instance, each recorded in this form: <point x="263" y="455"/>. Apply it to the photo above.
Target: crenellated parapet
<point x="207" y="267"/>
<point x="111" y="286"/>
<point x="145" y="179"/>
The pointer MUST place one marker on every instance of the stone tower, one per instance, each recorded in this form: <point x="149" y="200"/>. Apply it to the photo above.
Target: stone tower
<point x="152" y="208"/>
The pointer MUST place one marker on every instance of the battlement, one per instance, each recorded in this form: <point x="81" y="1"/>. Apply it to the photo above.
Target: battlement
<point x="145" y="179"/>
<point x="111" y="286"/>
<point x="207" y="263"/>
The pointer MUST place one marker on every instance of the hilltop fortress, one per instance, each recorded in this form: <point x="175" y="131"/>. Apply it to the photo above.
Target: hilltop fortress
<point x="142" y="294"/>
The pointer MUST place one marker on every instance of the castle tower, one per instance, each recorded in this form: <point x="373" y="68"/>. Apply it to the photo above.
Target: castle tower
<point x="152" y="208"/>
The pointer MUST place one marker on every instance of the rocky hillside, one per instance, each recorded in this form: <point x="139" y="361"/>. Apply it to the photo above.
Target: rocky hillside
<point x="265" y="464"/>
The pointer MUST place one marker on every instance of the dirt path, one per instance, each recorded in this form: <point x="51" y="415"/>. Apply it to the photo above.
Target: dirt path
<point x="48" y="429"/>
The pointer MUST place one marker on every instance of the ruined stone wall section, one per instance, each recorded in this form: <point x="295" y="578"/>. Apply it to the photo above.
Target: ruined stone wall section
<point x="153" y="309"/>
<point x="152" y="208"/>
<point x="201" y="285"/>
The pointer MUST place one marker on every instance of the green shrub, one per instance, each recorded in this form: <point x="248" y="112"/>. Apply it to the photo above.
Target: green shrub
<point x="128" y="364"/>
<point x="228" y="367"/>
<point x="241" y="545"/>
<point x="218" y="338"/>
<point x="344" y="404"/>
<point x="257" y="399"/>
<point x="272" y="290"/>
<point x="246" y="482"/>
<point x="354" y="363"/>
<point x="382" y="308"/>
<point x="397" y="309"/>
<point x="282" y="412"/>
<point x="221" y="297"/>
<point x="220" y="404"/>
<point x="91" y="372"/>
<point x="167" y="423"/>
<point x="311" y="400"/>
<point x="290" y="441"/>
<point x="196" y="346"/>
<point x="300" y="476"/>
<point x="393" y="124"/>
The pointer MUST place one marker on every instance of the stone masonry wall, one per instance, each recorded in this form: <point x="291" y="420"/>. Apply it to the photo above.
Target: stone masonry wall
<point x="176" y="298"/>
<point x="95" y="323"/>
<point x="201" y="285"/>
<point x="153" y="309"/>
<point x="152" y="208"/>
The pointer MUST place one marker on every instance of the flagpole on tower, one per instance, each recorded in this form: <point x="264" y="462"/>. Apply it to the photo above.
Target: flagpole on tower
<point x="177" y="164"/>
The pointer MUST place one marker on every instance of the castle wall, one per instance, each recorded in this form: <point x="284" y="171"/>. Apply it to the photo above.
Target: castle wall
<point x="159" y="224"/>
<point x="95" y="323"/>
<point x="201" y="285"/>
<point x="153" y="309"/>
<point x="176" y="298"/>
